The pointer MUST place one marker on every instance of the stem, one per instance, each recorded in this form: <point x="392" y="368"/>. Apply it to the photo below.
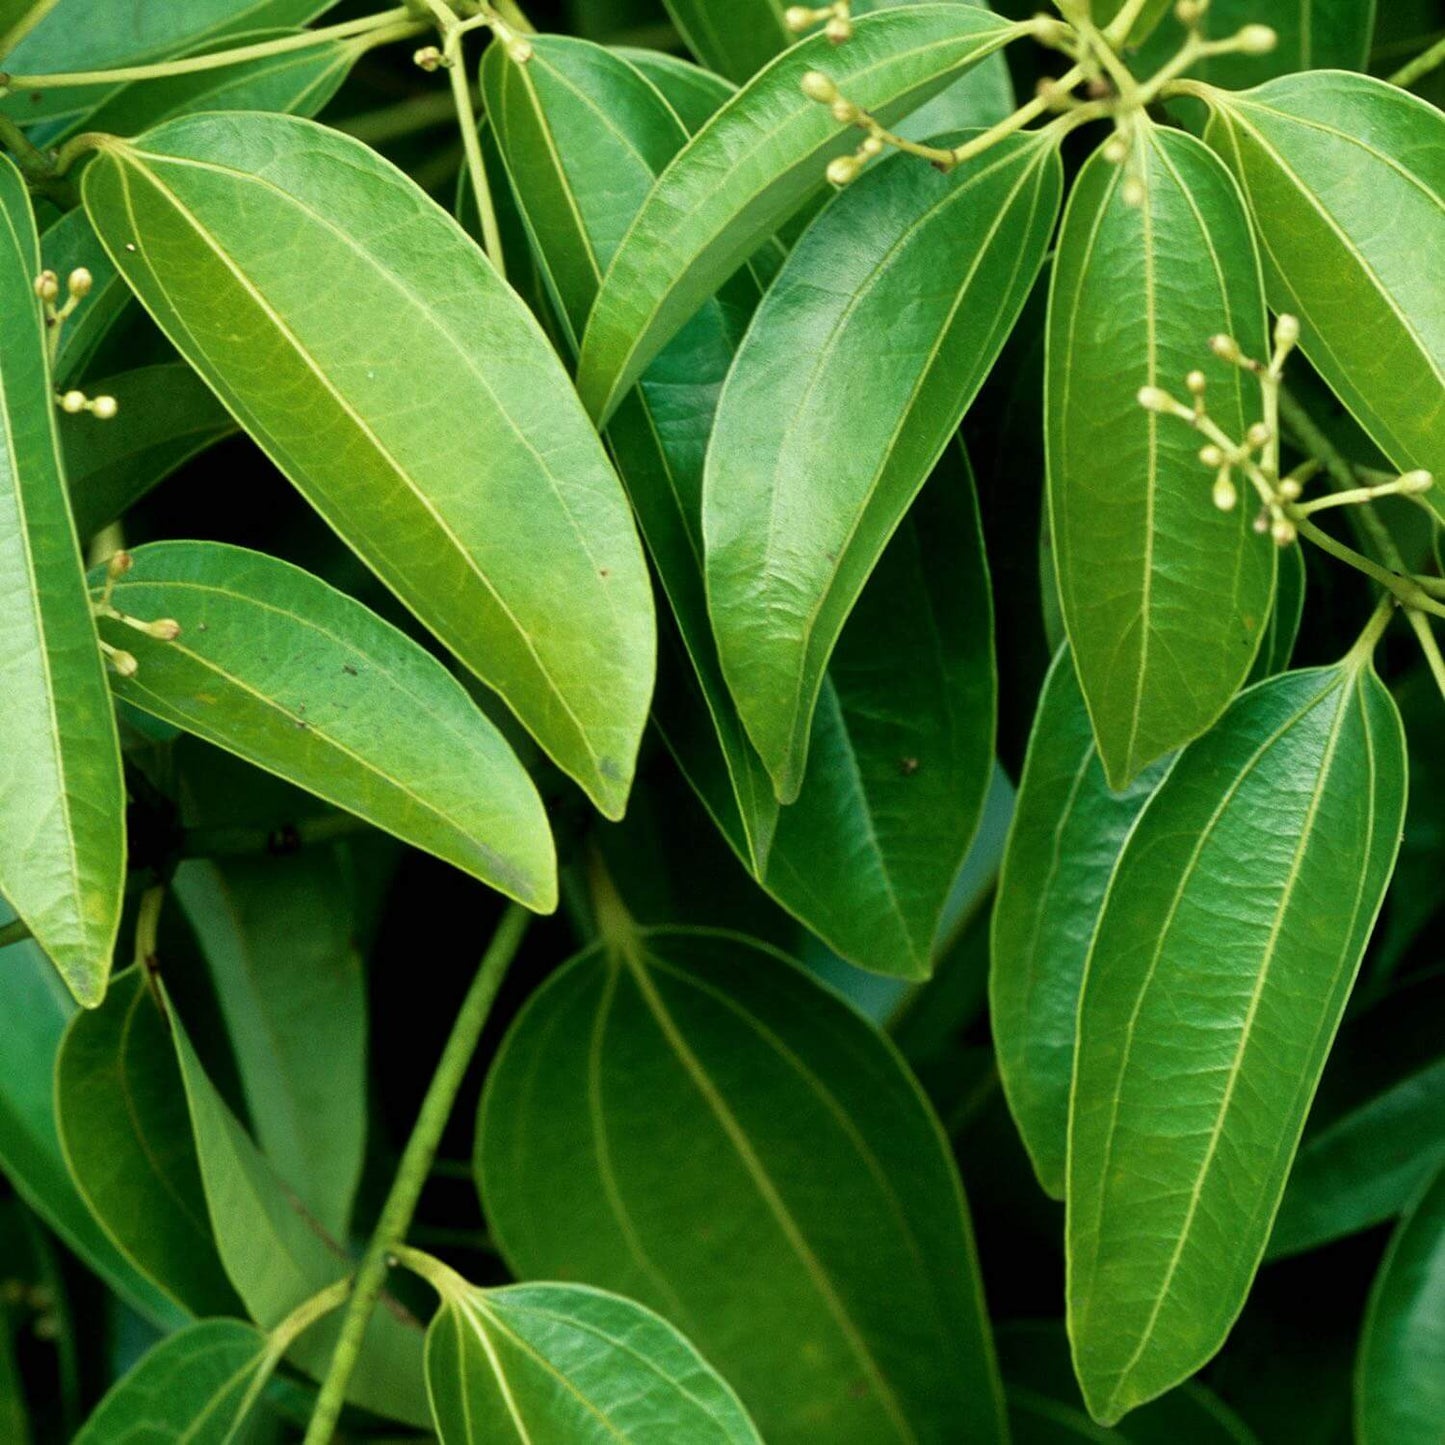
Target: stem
<point x="1369" y="639"/>
<point x="1406" y="589"/>
<point x="1430" y="646"/>
<point x="378" y="29"/>
<point x="411" y="1175"/>
<point x="1018" y="120"/>
<point x="1120" y="26"/>
<point x="1420" y="66"/>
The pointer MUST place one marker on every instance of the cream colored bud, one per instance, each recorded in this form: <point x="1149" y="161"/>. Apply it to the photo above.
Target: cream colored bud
<point x="797" y="18"/>
<point x="1261" y="523"/>
<point x="872" y="146"/>
<point x="1211" y="456"/>
<point x="47" y="286"/>
<point x="1152" y="398"/>
<point x="1256" y="40"/>
<point x="1116" y="150"/>
<point x="842" y="169"/>
<point x="817" y="86"/>
<point x="1226" y="348"/>
<point x="1290" y="489"/>
<point x="1134" y="193"/>
<point x="839" y="29"/>
<point x="1190" y="12"/>
<point x="166" y="629"/>
<point x="1226" y="498"/>
<point x="429" y="58"/>
<point x="1050" y="31"/>
<point x="1283" y="531"/>
<point x="124" y="662"/>
<point x="1413" y="483"/>
<point x="1286" y="331"/>
<point x="73" y="403"/>
<point x="845" y="111"/>
<point x="79" y="283"/>
<point x="1258" y="435"/>
<point x="520" y="50"/>
<point x="1197" y="382"/>
<point x="104" y="408"/>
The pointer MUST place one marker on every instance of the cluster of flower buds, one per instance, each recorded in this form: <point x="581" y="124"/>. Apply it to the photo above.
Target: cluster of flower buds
<point x="78" y="286"/>
<point x="838" y="25"/>
<point x="842" y="169"/>
<point x="164" y="629"/>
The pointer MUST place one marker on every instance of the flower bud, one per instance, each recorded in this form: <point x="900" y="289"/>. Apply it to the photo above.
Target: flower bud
<point x="1134" y="194"/>
<point x="1151" y="398"/>
<point x="166" y="629"/>
<point x="1211" y="456"/>
<point x="1256" y="40"/>
<point x="79" y="283"/>
<point x="797" y="18"/>
<point x="47" y="286"/>
<point x="429" y="58"/>
<point x="1116" y="150"/>
<point x="104" y="408"/>
<point x="842" y="169"/>
<point x="1196" y="381"/>
<point x="1290" y="489"/>
<point x="1226" y="498"/>
<point x="1226" y="348"/>
<point x="123" y="662"/>
<point x="817" y="86"/>
<point x="1283" y="531"/>
<point x="120" y="563"/>
<point x="1413" y="483"/>
<point x="1190" y="12"/>
<point x="1286" y="331"/>
<point x="73" y="403"/>
<point x="838" y="29"/>
<point x="1258" y="435"/>
<point x="845" y="111"/>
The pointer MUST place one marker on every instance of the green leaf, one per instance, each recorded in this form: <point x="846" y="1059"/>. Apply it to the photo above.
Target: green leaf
<point x="1400" y="1380"/>
<point x="62" y="802"/>
<point x="1344" y="177"/>
<point x="296" y="82"/>
<point x="1281" y="632"/>
<point x="18" y="18"/>
<point x="277" y="667"/>
<point x="195" y="1387"/>
<point x="734" y="37"/>
<point x="423" y="413"/>
<point x="561" y="1362"/>
<point x="127" y="1140"/>
<point x="751" y="166"/>
<point x="584" y="134"/>
<point x="1067" y="833"/>
<point x="38" y="1008"/>
<point x="278" y="936"/>
<point x="1165" y="597"/>
<point x="1229" y="941"/>
<point x="167" y="416"/>
<point x="793" y="1132"/>
<point x="824" y="437"/>
<point x="278" y="1257"/>
<point x="1377" y="1131"/>
<point x="1045" y="1408"/>
<point x="1313" y="35"/>
<point x="70" y="243"/>
<point x="84" y="35"/>
<point x="902" y="744"/>
<point x="694" y="94"/>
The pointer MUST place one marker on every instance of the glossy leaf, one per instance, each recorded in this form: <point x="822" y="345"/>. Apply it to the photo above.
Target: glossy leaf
<point x="1345" y="180"/>
<point x="823" y="437"/>
<point x="750" y="167"/>
<point x="560" y="1362"/>
<point x="1067" y="833"/>
<point x="62" y="803"/>
<point x="278" y="936"/>
<point x="167" y="416"/>
<point x="38" y="1007"/>
<point x="1400" y="1383"/>
<point x="1227" y="948"/>
<point x="736" y="38"/>
<point x="127" y="1140"/>
<point x="83" y="35"/>
<point x="1165" y="598"/>
<point x="792" y="1133"/>
<point x="275" y="666"/>
<point x="579" y="182"/>
<point x="902" y="745"/>
<point x="694" y="94"/>
<point x="194" y="1386"/>
<point x="278" y="1257"/>
<point x="422" y="412"/>
<point x="1377" y="1131"/>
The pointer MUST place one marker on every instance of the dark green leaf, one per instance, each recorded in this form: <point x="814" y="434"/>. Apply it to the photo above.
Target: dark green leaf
<point x="751" y="166"/>
<point x="1165" y="597"/>
<point x="695" y="94"/>
<point x="278" y="1257"/>
<point x="127" y="1139"/>
<point x="194" y="1388"/>
<point x="1400" y="1385"/>
<point x="278" y="935"/>
<point x="561" y="1362"/>
<point x="824" y="437"/>
<point x="275" y="666"/>
<point x="438" y="432"/>
<point x="167" y="416"/>
<point x="62" y="803"/>
<point x="1227" y="948"/>
<point x="1345" y="179"/>
<point x="1067" y="832"/>
<point x="71" y="243"/>
<point x="792" y="1134"/>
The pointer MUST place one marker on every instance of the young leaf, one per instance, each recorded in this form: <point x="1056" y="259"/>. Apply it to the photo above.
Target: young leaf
<point x="1400" y="1380"/>
<point x="38" y="1008"/>
<point x="278" y="1257"/>
<point x="418" y="407"/>
<point x="127" y="1140"/>
<point x="824" y="435"/>
<point x="579" y="182"/>
<point x="538" y="1362"/>
<point x="278" y="936"/>
<point x="1227" y="948"/>
<point x="1068" y="829"/>
<point x="902" y="744"/>
<point x="1344" y="177"/>
<point x="167" y="415"/>
<point x="751" y="166"/>
<point x="792" y="1133"/>
<point x="1165" y="597"/>
<point x="62" y="802"/>
<point x="282" y="670"/>
<point x="194" y="1386"/>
